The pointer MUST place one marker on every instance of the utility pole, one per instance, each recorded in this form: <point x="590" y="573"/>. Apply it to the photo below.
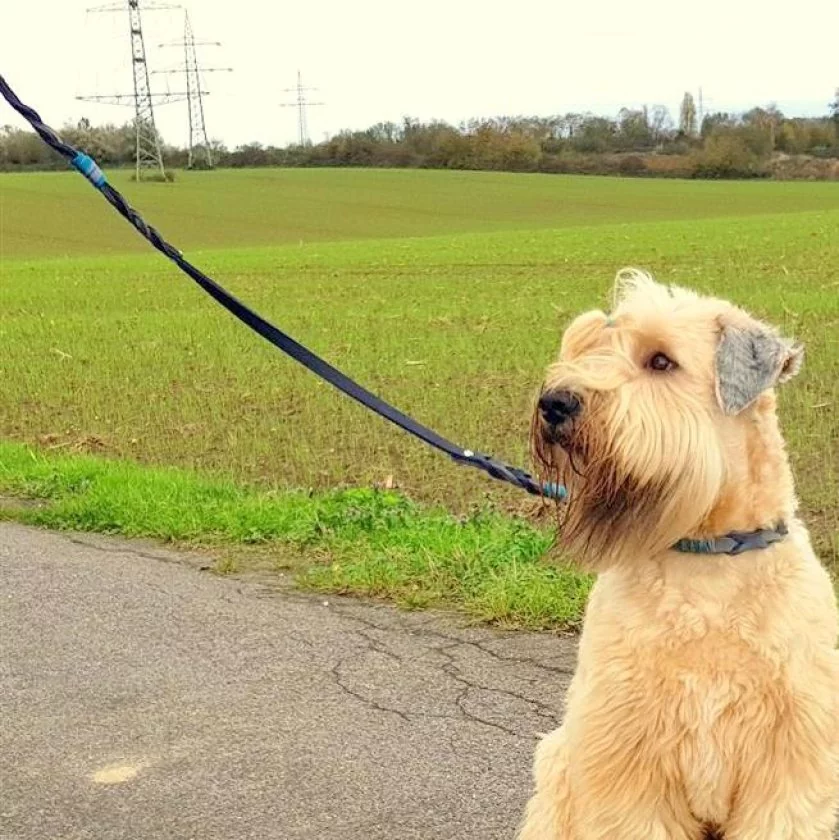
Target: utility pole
<point x="147" y="154"/>
<point x="199" y="143"/>
<point x="301" y="103"/>
<point x="701" y="110"/>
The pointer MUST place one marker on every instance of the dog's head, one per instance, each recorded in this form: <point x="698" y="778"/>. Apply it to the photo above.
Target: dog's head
<point x="657" y="416"/>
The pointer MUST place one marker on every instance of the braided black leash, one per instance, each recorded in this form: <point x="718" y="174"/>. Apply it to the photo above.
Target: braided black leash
<point x="88" y="167"/>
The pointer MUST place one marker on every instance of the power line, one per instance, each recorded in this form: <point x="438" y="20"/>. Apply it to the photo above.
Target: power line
<point x="301" y="103"/>
<point x="199" y="143"/>
<point x="148" y="153"/>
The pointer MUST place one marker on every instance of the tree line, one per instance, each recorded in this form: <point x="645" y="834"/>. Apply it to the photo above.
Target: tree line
<point x="760" y="142"/>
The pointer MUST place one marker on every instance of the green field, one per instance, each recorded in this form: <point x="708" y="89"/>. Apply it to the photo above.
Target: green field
<point x="444" y="292"/>
<point x="51" y="214"/>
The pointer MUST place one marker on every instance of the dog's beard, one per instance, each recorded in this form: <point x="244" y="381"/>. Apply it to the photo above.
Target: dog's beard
<point x="607" y="511"/>
<point x="620" y="504"/>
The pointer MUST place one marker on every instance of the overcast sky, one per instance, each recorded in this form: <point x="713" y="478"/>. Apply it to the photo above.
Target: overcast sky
<point x="375" y="60"/>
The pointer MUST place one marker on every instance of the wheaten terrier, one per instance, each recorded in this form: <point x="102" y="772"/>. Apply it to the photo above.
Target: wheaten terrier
<point x="706" y="698"/>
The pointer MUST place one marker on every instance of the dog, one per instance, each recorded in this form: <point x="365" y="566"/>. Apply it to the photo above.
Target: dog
<point x="705" y="702"/>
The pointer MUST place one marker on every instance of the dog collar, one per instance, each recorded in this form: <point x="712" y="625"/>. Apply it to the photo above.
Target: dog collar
<point x="735" y="542"/>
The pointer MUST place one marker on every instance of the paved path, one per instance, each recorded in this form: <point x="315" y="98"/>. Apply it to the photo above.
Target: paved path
<point x="143" y="698"/>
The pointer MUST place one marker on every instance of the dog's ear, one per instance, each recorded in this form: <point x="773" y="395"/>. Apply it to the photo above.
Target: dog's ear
<point x="751" y="359"/>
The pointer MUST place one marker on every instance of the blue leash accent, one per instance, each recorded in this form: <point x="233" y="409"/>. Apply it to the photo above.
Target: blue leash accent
<point x="88" y="167"/>
<point x="554" y="491"/>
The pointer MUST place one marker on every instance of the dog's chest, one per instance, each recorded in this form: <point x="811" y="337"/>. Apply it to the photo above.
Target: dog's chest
<point x="715" y="678"/>
<point x="724" y="691"/>
<point x="703" y="733"/>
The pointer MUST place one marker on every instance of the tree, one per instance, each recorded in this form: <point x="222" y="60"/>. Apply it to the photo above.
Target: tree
<point x="385" y="132"/>
<point x="687" y="115"/>
<point x="660" y="123"/>
<point x="767" y="120"/>
<point x="711" y="121"/>
<point x="594" y="134"/>
<point x="23" y="148"/>
<point x="634" y="129"/>
<point x="250" y="154"/>
<point x="803" y="135"/>
<point x="571" y="124"/>
<point x="834" y="113"/>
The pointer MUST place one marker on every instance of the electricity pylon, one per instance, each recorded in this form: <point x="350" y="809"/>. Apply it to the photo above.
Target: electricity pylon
<point x="199" y="143"/>
<point x="301" y="103"/>
<point x="148" y="153"/>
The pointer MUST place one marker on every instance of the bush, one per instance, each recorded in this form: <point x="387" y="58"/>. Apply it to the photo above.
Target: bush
<point x="804" y="168"/>
<point x="669" y="166"/>
<point x="727" y="155"/>
<point x="154" y="175"/>
<point x="632" y="165"/>
<point x="554" y="164"/>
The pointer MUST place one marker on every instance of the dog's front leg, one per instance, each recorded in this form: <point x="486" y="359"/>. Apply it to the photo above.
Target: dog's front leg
<point x="559" y="810"/>
<point x="790" y="821"/>
<point x="778" y="827"/>
<point x="645" y="814"/>
<point x="789" y="785"/>
<point x="549" y="813"/>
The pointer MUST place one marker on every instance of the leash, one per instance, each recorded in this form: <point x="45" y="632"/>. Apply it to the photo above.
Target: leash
<point x="91" y="171"/>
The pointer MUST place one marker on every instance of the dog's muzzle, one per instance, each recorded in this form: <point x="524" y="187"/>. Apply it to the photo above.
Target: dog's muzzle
<point x="557" y="408"/>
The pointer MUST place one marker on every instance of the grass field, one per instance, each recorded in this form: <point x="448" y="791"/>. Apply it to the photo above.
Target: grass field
<point x="444" y="292"/>
<point x="50" y="214"/>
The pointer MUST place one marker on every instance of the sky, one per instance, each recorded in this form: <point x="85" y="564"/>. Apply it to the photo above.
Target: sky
<point x="378" y="60"/>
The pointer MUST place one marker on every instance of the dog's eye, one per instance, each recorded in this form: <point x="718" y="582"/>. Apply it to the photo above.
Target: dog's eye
<point x="660" y="362"/>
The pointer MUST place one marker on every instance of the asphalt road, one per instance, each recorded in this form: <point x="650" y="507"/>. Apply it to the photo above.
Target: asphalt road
<point x="141" y="697"/>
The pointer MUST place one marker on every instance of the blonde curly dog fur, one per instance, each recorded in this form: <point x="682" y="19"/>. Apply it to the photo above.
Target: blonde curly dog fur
<point x="706" y="697"/>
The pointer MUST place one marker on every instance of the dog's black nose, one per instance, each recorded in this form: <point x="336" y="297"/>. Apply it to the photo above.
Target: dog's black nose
<point x="557" y="407"/>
